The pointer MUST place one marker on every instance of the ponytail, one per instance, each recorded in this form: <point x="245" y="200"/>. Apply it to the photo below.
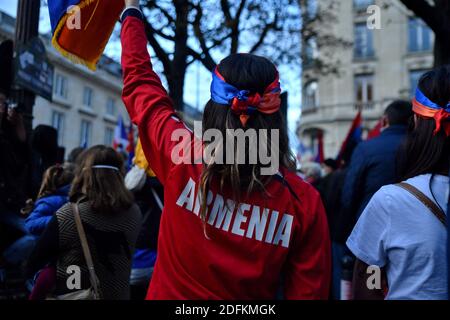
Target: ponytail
<point x="55" y="178"/>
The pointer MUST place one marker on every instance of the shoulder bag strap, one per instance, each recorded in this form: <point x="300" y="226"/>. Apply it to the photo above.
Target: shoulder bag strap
<point x="86" y="252"/>
<point x="434" y="209"/>
<point x="157" y="199"/>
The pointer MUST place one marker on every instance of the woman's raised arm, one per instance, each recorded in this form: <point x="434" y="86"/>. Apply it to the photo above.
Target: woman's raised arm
<point x="145" y="98"/>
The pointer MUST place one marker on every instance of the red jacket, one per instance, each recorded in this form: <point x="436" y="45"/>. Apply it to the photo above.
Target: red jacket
<point x="235" y="254"/>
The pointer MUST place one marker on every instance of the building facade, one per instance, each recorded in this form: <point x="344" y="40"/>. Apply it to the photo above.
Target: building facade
<point x="86" y="105"/>
<point x="373" y="67"/>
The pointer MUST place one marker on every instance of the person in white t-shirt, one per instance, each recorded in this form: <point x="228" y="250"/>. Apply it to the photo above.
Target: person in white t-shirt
<point x="399" y="243"/>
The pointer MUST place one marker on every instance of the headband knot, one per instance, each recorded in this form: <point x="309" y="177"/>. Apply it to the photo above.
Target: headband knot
<point x="442" y="119"/>
<point x="428" y="109"/>
<point x="242" y="95"/>
<point x="243" y="103"/>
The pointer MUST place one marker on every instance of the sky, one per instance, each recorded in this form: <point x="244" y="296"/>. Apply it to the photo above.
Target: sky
<point x="198" y="79"/>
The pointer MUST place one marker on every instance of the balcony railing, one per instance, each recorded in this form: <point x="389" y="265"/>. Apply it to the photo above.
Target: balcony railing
<point x="347" y="106"/>
<point x="344" y="111"/>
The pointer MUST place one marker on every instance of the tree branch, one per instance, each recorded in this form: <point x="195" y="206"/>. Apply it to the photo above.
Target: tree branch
<point x="207" y="59"/>
<point x="208" y="63"/>
<point x="160" y="33"/>
<point x="226" y="11"/>
<point x="162" y="55"/>
<point x="432" y="16"/>
<point x="264" y="33"/>
<point x="240" y="10"/>
<point x="234" y="26"/>
<point x="152" y="5"/>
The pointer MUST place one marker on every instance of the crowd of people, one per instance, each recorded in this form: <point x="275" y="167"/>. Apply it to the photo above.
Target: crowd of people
<point x="167" y="230"/>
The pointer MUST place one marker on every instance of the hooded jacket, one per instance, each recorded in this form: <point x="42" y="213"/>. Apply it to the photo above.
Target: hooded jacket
<point x="44" y="209"/>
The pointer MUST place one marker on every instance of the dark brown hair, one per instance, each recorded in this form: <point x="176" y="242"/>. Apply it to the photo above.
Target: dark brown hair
<point x="104" y="188"/>
<point x="55" y="178"/>
<point x="255" y="74"/>
<point x="424" y="152"/>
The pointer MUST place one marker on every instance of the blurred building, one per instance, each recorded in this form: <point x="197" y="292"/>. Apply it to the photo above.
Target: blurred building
<point x="86" y="105"/>
<point x="373" y="68"/>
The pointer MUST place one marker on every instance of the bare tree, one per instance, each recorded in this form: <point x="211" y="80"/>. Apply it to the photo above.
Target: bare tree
<point x="436" y="14"/>
<point x="184" y="31"/>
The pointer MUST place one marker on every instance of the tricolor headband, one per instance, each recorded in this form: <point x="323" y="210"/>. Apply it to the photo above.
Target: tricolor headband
<point x="241" y="101"/>
<point x="428" y="109"/>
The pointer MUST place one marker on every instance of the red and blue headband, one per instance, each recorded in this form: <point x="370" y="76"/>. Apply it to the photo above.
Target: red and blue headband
<point x="428" y="109"/>
<point x="242" y="102"/>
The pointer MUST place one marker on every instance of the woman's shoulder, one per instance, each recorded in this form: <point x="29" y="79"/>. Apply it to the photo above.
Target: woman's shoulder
<point x="134" y="212"/>
<point x="300" y="187"/>
<point x="390" y="198"/>
<point x="65" y="210"/>
<point x="304" y="196"/>
<point x="395" y="193"/>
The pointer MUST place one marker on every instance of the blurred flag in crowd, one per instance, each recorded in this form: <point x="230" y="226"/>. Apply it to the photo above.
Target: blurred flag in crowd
<point x="141" y="161"/>
<point x="354" y="136"/>
<point x="120" y="142"/>
<point x="320" y="155"/>
<point x="376" y="131"/>
<point x="130" y="146"/>
<point x="304" y="153"/>
<point x="81" y="28"/>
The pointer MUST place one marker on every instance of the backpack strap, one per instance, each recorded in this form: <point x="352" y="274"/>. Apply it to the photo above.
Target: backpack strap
<point x="434" y="209"/>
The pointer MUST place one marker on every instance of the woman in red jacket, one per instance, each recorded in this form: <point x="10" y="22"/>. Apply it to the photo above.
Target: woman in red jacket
<point x="254" y="229"/>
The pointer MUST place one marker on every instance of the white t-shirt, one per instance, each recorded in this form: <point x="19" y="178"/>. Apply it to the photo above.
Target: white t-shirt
<point x="400" y="233"/>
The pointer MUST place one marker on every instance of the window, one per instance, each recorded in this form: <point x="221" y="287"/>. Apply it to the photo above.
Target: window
<point x="419" y="35"/>
<point x="311" y="51"/>
<point x="364" y="91"/>
<point x="87" y="97"/>
<point x="58" y="124"/>
<point x="85" y="133"/>
<point x="109" y="137"/>
<point x="362" y="5"/>
<point x="363" y="46"/>
<point x="60" y="86"/>
<point x="310" y="96"/>
<point x="414" y="77"/>
<point x="111" y="107"/>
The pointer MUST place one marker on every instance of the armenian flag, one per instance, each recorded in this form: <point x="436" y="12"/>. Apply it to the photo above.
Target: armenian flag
<point x="81" y="28"/>
<point x="131" y="146"/>
<point x="120" y="141"/>
<point x="354" y="137"/>
<point x="376" y="131"/>
<point x="320" y="157"/>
